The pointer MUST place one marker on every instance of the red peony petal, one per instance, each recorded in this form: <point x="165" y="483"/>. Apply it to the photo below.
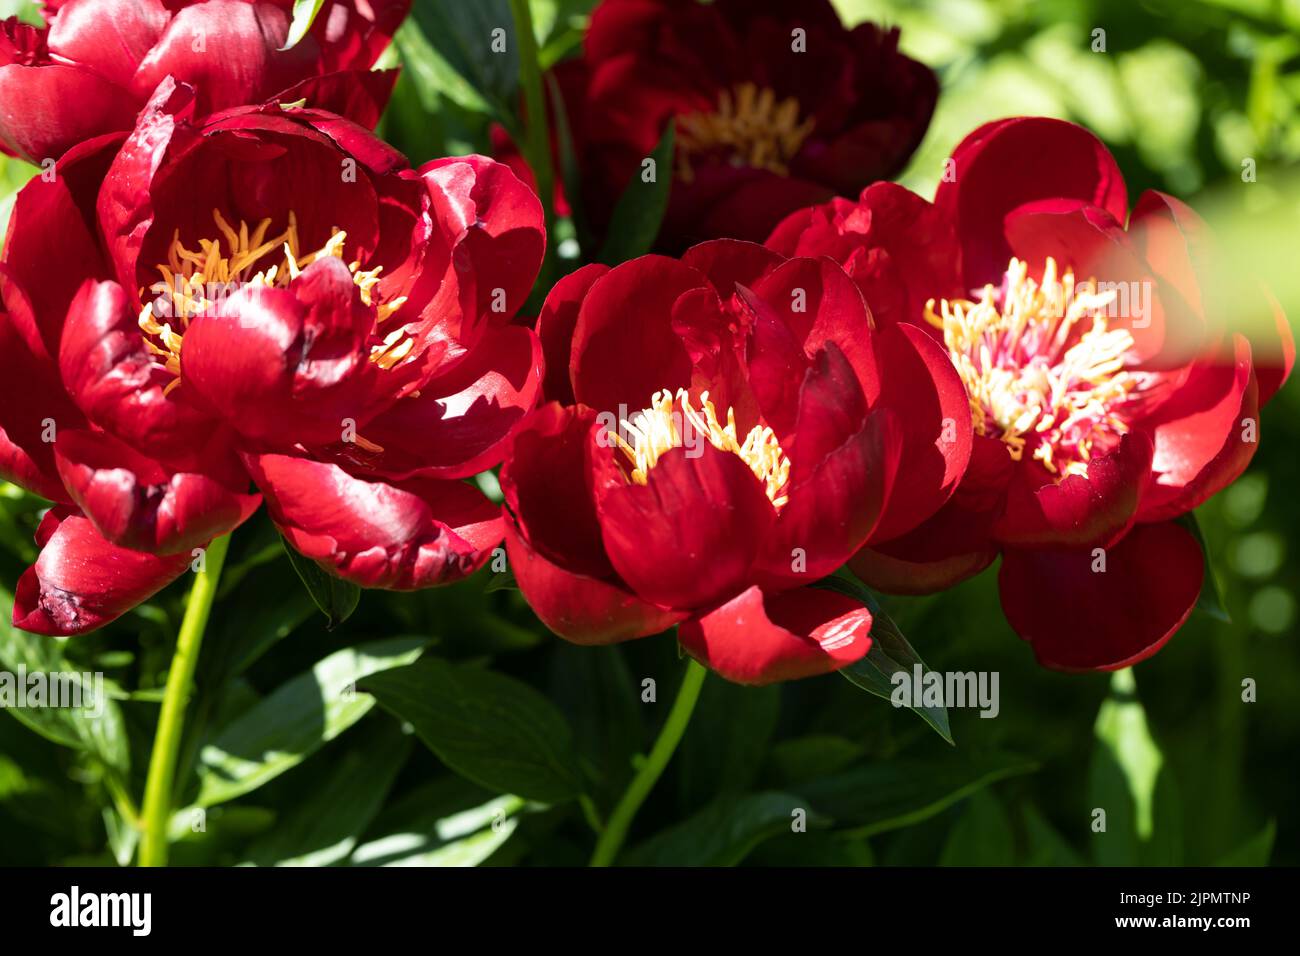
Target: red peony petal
<point x="402" y="535"/>
<point x="690" y="535"/>
<point x="135" y="502"/>
<point x="579" y="608"/>
<point x="81" y="582"/>
<point x="760" y="638"/>
<point x="556" y="324"/>
<point x="1078" y="619"/>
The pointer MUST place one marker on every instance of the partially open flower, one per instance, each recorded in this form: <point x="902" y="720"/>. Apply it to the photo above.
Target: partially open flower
<point x="278" y="296"/>
<point x="95" y="63"/>
<point x="1114" y="381"/>
<point x="726" y="429"/>
<point x="775" y="106"/>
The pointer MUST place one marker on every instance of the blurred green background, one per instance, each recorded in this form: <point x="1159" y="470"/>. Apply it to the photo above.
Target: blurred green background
<point x="292" y="769"/>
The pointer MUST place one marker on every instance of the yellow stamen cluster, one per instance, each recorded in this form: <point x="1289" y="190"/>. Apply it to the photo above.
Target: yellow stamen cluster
<point x="659" y="428"/>
<point x="1033" y="378"/>
<point x="749" y="126"/>
<point x="224" y="264"/>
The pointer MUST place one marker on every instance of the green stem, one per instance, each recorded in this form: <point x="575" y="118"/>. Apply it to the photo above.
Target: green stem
<point x="537" y="135"/>
<point x="611" y="840"/>
<point x="157" y="809"/>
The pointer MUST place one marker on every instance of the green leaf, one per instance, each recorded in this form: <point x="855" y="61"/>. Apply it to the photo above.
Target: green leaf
<point x="1210" y="599"/>
<point x="295" y="720"/>
<point x="1254" y="852"/>
<point x="735" y="724"/>
<point x="464" y="838"/>
<point x="1044" y="844"/>
<point x="304" y="12"/>
<point x="336" y="598"/>
<point x="981" y="836"/>
<point x="816" y="755"/>
<point x="433" y="76"/>
<point x="890" y="654"/>
<point x="640" y="210"/>
<point x="96" y="728"/>
<point x="323" y="829"/>
<point x="723" y="833"/>
<point x="462" y="35"/>
<point x="1123" y="781"/>
<point x="491" y="729"/>
<point x="595" y="691"/>
<point x="900" y="793"/>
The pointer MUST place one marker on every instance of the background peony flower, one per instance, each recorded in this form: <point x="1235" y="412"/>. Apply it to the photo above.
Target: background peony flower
<point x="95" y="63"/>
<point x="776" y="106"/>
<point x="763" y="424"/>
<point x="272" y="293"/>
<point x="1112" y="389"/>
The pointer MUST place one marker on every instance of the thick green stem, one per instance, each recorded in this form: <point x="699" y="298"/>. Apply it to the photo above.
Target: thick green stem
<point x="157" y="811"/>
<point x="611" y="840"/>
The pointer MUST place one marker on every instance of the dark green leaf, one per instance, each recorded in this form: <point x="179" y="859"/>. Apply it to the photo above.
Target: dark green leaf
<point x="817" y="755"/>
<point x="900" y="793"/>
<point x="981" y="836"/>
<point x="336" y="598"/>
<point x="890" y="654"/>
<point x="462" y="35"/>
<point x="724" y="832"/>
<point x="732" y="726"/>
<point x="1254" y="852"/>
<point x="640" y="210"/>
<point x="323" y="829"/>
<point x="492" y="729"/>
<point x="294" y="721"/>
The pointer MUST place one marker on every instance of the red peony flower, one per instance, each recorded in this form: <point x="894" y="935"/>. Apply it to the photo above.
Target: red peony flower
<point x="96" y="63"/>
<point x="270" y="292"/>
<point x="723" y="430"/>
<point x="776" y="106"/>
<point x="1109" y="393"/>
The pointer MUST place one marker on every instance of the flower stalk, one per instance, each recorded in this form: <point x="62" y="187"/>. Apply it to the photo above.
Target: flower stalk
<point x="159" y="785"/>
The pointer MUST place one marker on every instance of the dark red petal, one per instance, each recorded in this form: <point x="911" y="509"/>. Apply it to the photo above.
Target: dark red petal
<point x="239" y="60"/>
<point x="81" y="582"/>
<point x="50" y="248"/>
<point x="497" y="225"/>
<point x="287" y="365"/>
<point x="1201" y="435"/>
<point x="844" y="464"/>
<point x="357" y="95"/>
<point x="920" y="386"/>
<point x="48" y="109"/>
<point x="33" y="408"/>
<point x="545" y="484"/>
<point x="624" y="347"/>
<point x="111" y="40"/>
<point x="1007" y="163"/>
<point x="136" y="502"/>
<point x="402" y="535"/>
<point x="1079" y="511"/>
<point x="1078" y="619"/>
<point x="556" y="324"/>
<point x="116" y="381"/>
<point x="689" y="536"/>
<point x="761" y="638"/>
<point x="726" y="262"/>
<point x="578" y="608"/>
<point x="459" y="423"/>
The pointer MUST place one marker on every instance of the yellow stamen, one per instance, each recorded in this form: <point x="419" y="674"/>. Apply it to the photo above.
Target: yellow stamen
<point x="749" y="128"/>
<point x="1034" y="375"/>
<point x="224" y="264"/>
<point x="659" y="428"/>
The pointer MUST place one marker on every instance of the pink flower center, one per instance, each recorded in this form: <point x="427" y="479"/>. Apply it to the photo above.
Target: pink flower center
<point x="1044" y="370"/>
